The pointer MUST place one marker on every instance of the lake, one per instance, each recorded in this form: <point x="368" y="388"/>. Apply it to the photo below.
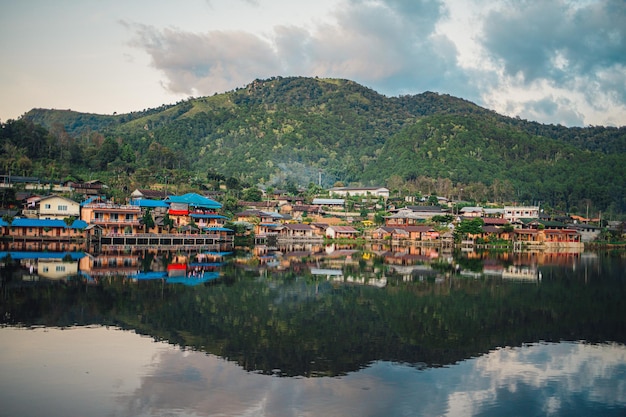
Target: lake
<point x="312" y="331"/>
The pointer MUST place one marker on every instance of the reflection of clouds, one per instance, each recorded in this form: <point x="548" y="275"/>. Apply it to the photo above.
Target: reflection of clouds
<point x="108" y="372"/>
<point x="545" y="379"/>
<point x="558" y="372"/>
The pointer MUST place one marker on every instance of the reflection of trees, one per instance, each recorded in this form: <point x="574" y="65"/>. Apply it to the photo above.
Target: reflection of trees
<point x="301" y="326"/>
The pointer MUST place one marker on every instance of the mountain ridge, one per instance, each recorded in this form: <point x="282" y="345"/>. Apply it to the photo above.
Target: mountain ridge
<point x="290" y="129"/>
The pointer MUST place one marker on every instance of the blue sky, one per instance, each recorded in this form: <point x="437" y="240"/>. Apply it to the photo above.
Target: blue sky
<point x="554" y="61"/>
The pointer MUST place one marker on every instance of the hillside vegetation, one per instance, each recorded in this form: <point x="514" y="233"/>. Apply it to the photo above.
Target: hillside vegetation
<point x="290" y="130"/>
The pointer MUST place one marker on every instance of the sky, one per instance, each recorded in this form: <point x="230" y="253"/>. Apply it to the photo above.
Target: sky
<point x="551" y="61"/>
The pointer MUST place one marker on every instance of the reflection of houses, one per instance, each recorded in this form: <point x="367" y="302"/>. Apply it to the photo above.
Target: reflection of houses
<point x="110" y="263"/>
<point x="524" y="273"/>
<point x="56" y="269"/>
<point x="48" y="265"/>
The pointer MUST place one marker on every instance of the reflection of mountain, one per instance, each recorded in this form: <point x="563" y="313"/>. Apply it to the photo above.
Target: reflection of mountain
<point x="298" y="323"/>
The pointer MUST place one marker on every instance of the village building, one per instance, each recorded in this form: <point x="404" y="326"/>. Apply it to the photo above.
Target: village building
<point x="88" y="188"/>
<point x="39" y="231"/>
<point x="297" y="230"/>
<point x="360" y="191"/>
<point x="190" y="207"/>
<point x="57" y="207"/>
<point x="341" y="232"/>
<point x="420" y="233"/>
<point x="141" y="194"/>
<point x="110" y="218"/>
<point x="329" y="203"/>
<point x="514" y="213"/>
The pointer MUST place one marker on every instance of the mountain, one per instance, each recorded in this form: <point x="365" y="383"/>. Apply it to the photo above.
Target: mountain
<point x="289" y="130"/>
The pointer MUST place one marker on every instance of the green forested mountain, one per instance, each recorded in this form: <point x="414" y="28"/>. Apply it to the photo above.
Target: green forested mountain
<point x="288" y="130"/>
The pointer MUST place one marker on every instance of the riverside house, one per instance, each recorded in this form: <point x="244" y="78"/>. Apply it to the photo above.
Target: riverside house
<point x="112" y="219"/>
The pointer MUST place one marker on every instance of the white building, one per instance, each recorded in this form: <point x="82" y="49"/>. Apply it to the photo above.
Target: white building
<point x="513" y="213"/>
<point x="363" y="191"/>
<point x="54" y="207"/>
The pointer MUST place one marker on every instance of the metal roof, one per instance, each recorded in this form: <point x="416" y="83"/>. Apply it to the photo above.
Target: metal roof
<point x="22" y="222"/>
<point x="195" y="200"/>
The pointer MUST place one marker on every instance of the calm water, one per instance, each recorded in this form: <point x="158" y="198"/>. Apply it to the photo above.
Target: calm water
<point x="313" y="331"/>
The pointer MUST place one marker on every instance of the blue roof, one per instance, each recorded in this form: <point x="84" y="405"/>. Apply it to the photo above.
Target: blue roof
<point x="91" y="200"/>
<point x="207" y="216"/>
<point x="218" y="229"/>
<point x="144" y="202"/>
<point x="79" y="224"/>
<point x="195" y="200"/>
<point x="22" y="222"/>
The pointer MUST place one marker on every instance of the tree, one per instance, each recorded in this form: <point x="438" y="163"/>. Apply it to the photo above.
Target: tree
<point x="468" y="227"/>
<point x="147" y="220"/>
<point x="252" y="194"/>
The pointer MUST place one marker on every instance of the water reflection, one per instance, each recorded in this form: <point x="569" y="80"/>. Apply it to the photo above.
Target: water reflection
<point x="99" y="371"/>
<point x="370" y="265"/>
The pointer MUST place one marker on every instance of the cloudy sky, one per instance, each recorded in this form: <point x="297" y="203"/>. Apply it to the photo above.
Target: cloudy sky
<point x="554" y="61"/>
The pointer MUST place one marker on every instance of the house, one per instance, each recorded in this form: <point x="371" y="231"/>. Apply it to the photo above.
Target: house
<point x="587" y="232"/>
<point x="88" y="188"/>
<point x="513" y="213"/>
<point x="297" y="231"/>
<point x="43" y="229"/>
<point x="258" y="205"/>
<point x="112" y="218"/>
<point x="360" y="191"/>
<point x="57" y="207"/>
<point x="424" y="212"/>
<point x="298" y="211"/>
<point x="491" y="232"/>
<point x="412" y="233"/>
<point x="141" y="193"/>
<point x="548" y="237"/>
<point x="471" y="212"/>
<point x="329" y="202"/>
<point x="187" y="208"/>
<point x="341" y="232"/>
<point x="402" y="218"/>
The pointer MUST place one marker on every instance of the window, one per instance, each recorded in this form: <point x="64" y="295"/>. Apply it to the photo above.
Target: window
<point x="62" y="208"/>
<point x="47" y="206"/>
<point x="129" y="217"/>
<point x="60" y="268"/>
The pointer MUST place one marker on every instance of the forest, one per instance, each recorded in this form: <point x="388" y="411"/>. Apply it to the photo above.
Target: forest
<point x="289" y="132"/>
